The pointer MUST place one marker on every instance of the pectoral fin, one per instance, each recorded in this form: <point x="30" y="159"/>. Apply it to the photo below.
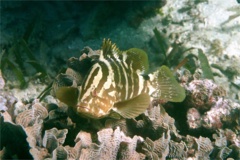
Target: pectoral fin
<point x="167" y="87"/>
<point x="68" y="95"/>
<point x="115" y="115"/>
<point x="133" y="107"/>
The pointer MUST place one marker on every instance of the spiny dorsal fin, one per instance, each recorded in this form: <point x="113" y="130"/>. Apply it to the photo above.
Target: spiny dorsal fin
<point x="68" y="95"/>
<point x="139" y="59"/>
<point x="133" y="107"/>
<point x="167" y="87"/>
<point x="109" y="48"/>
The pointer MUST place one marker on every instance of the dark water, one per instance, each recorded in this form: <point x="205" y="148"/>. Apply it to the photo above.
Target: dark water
<point x="58" y="30"/>
<point x="58" y="21"/>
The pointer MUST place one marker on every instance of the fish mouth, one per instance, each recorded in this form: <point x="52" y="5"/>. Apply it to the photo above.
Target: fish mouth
<point x="82" y="108"/>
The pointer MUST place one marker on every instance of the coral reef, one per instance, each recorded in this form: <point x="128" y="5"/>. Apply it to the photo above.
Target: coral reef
<point x="110" y="146"/>
<point x="208" y="106"/>
<point x="152" y="135"/>
<point x="28" y="117"/>
<point x="50" y="130"/>
<point x="205" y="126"/>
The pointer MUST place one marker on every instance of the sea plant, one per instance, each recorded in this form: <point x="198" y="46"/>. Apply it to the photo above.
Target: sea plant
<point x="16" y="71"/>
<point x="45" y="92"/>
<point x="173" y="52"/>
<point x="19" y="57"/>
<point x="207" y="72"/>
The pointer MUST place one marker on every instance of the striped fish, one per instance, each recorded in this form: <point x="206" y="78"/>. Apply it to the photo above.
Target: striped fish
<point x="118" y="83"/>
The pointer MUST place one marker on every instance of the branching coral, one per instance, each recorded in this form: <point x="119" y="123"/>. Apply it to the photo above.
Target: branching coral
<point x="28" y="117"/>
<point x="201" y="94"/>
<point x="199" y="148"/>
<point x="109" y="146"/>
<point x="154" y="136"/>
<point x="209" y="108"/>
<point x="157" y="149"/>
<point x="224" y="113"/>
<point x="54" y="138"/>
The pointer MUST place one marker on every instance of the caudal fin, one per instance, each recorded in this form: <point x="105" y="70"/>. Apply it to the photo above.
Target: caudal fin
<point x="166" y="86"/>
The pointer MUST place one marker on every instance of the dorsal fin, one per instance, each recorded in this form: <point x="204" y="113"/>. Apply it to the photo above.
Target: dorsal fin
<point x="138" y="58"/>
<point x="109" y="48"/>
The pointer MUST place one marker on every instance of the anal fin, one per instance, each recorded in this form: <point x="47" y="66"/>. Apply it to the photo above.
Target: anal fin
<point x="133" y="107"/>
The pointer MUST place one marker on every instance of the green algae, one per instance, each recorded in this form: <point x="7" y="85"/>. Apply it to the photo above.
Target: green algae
<point x="207" y="72"/>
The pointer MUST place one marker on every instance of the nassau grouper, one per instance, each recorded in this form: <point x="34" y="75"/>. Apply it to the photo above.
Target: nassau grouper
<point x="118" y="84"/>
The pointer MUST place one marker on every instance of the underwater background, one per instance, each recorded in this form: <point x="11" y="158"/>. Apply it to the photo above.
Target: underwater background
<point x="199" y="40"/>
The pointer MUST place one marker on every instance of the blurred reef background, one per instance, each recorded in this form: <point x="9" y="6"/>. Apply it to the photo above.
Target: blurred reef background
<point x="198" y="39"/>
